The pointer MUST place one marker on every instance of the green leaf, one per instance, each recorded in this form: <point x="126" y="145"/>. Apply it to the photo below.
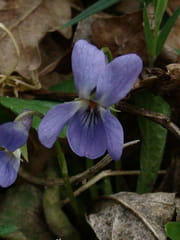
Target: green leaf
<point x="153" y="140"/>
<point x="7" y="229"/>
<point x="173" y="230"/>
<point x="166" y="30"/>
<point x="17" y="105"/>
<point x="96" y="7"/>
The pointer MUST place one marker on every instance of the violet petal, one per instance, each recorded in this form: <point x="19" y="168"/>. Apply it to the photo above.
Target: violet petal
<point x="26" y="120"/>
<point x="9" y="166"/>
<point x="121" y="75"/>
<point x="13" y="135"/>
<point x="54" y="121"/>
<point x="86" y="134"/>
<point x="88" y="65"/>
<point x="114" y="135"/>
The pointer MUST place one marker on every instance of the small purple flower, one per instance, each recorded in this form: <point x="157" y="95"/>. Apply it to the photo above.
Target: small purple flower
<point x="92" y="128"/>
<point x="13" y="135"/>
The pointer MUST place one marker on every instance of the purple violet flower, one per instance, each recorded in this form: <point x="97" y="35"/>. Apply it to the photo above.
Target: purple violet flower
<point x="13" y="135"/>
<point x="92" y="128"/>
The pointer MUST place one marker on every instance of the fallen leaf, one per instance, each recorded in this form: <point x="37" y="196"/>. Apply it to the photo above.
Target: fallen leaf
<point x="84" y="29"/>
<point x="128" y="6"/>
<point x="122" y="34"/>
<point x="127" y="215"/>
<point x="29" y="21"/>
<point x="52" y="51"/>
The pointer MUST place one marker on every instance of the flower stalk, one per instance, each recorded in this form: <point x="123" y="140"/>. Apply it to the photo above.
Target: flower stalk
<point x="93" y="190"/>
<point x="65" y="175"/>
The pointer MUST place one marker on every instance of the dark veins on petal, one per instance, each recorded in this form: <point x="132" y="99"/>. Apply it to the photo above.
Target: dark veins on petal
<point x="90" y="116"/>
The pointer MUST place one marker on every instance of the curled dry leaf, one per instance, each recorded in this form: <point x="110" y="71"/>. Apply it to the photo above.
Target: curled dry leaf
<point x="122" y="34"/>
<point x="163" y="80"/>
<point x="127" y="215"/>
<point x="29" y="21"/>
<point x="174" y="72"/>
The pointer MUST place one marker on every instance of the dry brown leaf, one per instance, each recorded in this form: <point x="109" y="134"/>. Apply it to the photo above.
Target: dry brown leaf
<point x="29" y="21"/>
<point x="174" y="72"/>
<point x="84" y="29"/>
<point x="127" y="215"/>
<point x="122" y="34"/>
<point x="128" y="6"/>
<point x="173" y="5"/>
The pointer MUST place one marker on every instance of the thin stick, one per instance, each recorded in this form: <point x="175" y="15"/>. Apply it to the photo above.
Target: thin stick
<point x="101" y="175"/>
<point x="156" y="117"/>
<point x="162" y="119"/>
<point x="74" y="179"/>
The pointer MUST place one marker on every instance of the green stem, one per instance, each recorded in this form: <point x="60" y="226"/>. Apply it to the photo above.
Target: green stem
<point x="56" y="218"/>
<point x="107" y="186"/>
<point x="108" y="53"/>
<point x="117" y="165"/>
<point x="65" y="175"/>
<point x="93" y="190"/>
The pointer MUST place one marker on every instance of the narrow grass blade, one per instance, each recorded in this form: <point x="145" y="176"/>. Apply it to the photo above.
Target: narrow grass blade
<point x="96" y="7"/>
<point x="160" y="8"/>
<point x="166" y="30"/>
<point x="148" y="33"/>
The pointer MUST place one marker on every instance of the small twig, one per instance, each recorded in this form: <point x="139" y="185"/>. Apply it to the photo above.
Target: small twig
<point x="101" y="175"/>
<point x="165" y="121"/>
<point x="98" y="166"/>
<point x="74" y="179"/>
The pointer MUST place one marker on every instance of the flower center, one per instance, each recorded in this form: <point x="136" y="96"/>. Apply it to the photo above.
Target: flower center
<point x="92" y="105"/>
